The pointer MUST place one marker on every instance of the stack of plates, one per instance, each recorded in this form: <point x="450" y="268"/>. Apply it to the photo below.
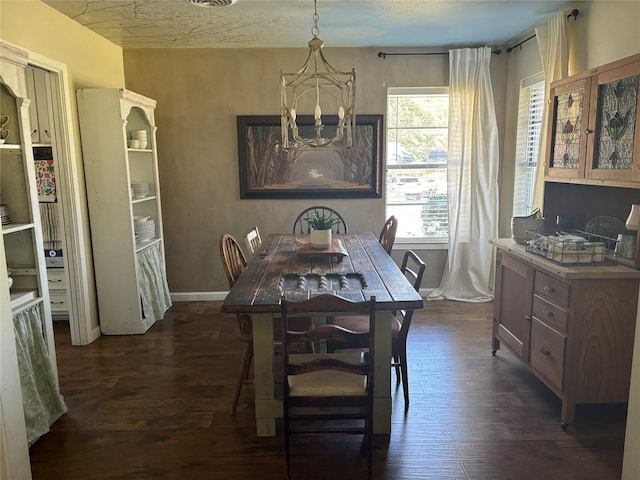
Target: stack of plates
<point x="145" y="228"/>
<point x="139" y="189"/>
<point x="140" y="135"/>
<point x="4" y="214"/>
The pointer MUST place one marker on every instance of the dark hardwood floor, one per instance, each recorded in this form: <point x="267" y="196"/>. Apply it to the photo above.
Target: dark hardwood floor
<point x="156" y="407"/>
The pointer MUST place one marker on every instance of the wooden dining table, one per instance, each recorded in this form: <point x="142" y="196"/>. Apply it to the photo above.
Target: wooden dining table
<point x="355" y="267"/>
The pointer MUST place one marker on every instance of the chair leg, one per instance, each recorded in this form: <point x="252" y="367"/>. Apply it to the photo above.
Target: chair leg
<point x="370" y="437"/>
<point x="396" y="364"/>
<point x="245" y="367"/>
<point x="405" y="376"/>
<point x="286" y="444"/>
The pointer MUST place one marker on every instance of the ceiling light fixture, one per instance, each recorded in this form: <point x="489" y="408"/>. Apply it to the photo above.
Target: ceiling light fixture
<point x="318" y="83"/>
<point x="212" y="3"/>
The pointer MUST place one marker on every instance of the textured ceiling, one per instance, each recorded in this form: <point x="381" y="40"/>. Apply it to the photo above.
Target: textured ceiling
<point x="287" y="23"/>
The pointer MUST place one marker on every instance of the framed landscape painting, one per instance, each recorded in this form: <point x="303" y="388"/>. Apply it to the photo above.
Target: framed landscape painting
<point x="268" y="171"/>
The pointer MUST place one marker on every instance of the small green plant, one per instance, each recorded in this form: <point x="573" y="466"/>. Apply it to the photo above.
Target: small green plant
<point x="320" y="221"/>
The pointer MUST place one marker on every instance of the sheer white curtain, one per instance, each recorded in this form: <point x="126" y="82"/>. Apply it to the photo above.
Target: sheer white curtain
<point x="472" y="179"/>
<point x="552" y="43"/>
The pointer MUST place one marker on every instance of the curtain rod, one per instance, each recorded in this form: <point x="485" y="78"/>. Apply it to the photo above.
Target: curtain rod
<point x="574" y="13"/>
<point x="384" y="55"/>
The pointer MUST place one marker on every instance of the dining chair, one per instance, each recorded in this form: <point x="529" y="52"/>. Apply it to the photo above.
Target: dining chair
<point x="253" y="240"/>
<point x="234" y="262"/>
<point x="388" y="234"/>
<point x="320" y="388"/>
<point x="413" y="268"/>
<point x="301" y="225"/>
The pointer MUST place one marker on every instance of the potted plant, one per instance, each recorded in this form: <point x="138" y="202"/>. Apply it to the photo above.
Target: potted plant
<point x="321" y="229"/>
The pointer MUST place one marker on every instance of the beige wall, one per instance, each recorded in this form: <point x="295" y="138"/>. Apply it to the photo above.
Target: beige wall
<point x="200" y="93"/>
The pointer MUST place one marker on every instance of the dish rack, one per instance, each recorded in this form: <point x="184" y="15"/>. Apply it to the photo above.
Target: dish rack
<point x="574" y="247"/>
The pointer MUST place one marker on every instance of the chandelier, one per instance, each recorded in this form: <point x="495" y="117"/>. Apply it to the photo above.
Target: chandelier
<point x="317" y="83"/>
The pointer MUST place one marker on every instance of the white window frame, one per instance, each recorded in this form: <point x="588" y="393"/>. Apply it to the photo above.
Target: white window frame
<point x="424" y="243"/>
<point x="530" y="109"/>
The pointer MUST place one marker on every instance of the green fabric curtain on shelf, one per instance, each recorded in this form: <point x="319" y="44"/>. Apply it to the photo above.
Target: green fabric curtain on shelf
<point x="41" y="398"/>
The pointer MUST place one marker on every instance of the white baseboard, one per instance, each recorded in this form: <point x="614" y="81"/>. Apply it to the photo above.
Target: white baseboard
<point x="198" y="296"/>
<point x="219" y="296"/>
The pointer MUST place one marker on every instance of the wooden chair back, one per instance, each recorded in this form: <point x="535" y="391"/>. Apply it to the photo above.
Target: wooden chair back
<point x="388" y="234"/>
<point x="301" y="225"/>
<point x="233" y="263"/>
<point x="413" y="267"/>
<point x="233" y="259"/>
<point x="330" y="382"/>
<point x="252" y="240"/>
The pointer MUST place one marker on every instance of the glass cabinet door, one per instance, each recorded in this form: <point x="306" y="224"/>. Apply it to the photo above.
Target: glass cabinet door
<point x="567" y="134"/>
<point x="614" y="149"/>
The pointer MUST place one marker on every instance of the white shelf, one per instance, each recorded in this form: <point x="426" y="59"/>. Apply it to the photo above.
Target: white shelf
<point x="16" y="227"/>
<point x="146" y="244"/>
<point x="12" y="148"/>
<point x="21" y="299"/>
<point x="143" y="199"/>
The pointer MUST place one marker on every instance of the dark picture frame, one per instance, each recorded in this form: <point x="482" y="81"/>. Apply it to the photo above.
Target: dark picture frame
<point x="266" y="171"/>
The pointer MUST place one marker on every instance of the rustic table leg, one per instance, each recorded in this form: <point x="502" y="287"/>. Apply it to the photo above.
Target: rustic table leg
<point x="267" y="407"/>
<point x="382" y="379"/>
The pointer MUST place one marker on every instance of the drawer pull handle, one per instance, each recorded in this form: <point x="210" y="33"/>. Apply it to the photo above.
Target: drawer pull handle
<point x="544" y="351"/>
<point x="57" y="303"/>
<point x="55" y="281"/>
<point x="549" y="289"/>
<point x="548" y="314"/>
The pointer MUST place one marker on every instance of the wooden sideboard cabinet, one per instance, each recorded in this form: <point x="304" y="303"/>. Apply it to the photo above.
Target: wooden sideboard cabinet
<point x="573" y="326"/>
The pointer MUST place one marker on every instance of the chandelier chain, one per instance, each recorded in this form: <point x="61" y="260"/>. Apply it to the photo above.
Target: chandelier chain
<point x="315" y="31"/>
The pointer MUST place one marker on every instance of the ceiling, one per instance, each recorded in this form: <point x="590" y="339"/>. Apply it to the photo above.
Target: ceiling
<point x="287" y="23"/>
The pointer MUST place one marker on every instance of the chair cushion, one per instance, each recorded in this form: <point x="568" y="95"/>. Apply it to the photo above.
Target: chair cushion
<point x="361" y="324"/>
<point x="327" y="382"/>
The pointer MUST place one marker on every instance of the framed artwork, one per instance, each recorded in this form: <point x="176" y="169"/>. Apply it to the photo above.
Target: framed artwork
<point x="267" y="171"/>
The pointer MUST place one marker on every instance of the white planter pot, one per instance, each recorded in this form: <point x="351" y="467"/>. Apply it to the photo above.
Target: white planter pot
<point x="320" y="239"/>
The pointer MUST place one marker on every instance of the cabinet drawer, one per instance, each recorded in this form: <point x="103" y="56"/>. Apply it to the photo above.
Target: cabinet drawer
<point x="56" y="279"/>
<point x="552" y="289"/>
<point x="549" y="313"/>
<point x="547" y="352"/>
<point x="58" y="300"/>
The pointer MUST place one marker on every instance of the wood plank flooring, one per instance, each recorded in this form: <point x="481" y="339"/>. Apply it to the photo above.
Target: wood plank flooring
<point x="156" y="407"/>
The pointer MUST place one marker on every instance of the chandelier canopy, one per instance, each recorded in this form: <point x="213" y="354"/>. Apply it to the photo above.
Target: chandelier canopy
<point x="320" y="90"/>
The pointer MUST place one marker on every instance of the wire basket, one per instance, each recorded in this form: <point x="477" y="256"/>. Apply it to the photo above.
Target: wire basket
<point x="574" y="247"/>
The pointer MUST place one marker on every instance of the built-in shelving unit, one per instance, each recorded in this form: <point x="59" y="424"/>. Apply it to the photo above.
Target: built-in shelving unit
<point x="127" y="302"/>
<point x="27" y="324"/>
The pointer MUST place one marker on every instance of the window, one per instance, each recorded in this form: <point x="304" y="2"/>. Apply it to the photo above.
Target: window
<point x="528" y="137"/>
<point x="417" y="143"/>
